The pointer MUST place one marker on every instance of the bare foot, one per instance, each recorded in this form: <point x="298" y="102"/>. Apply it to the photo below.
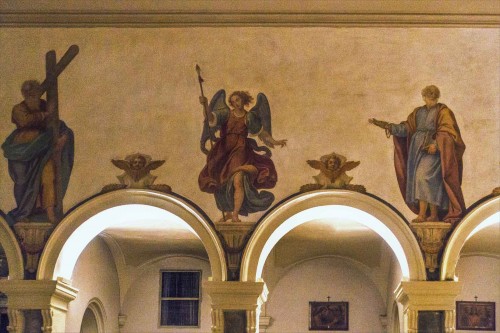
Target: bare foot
<point x="432" y="219"/>
<point x="419" y="219"/>
<point x="226" y="216"/>
<point x="235" y="218"/>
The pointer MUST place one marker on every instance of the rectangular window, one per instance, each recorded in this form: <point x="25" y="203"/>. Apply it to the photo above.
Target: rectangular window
<point x="180" y="298"/>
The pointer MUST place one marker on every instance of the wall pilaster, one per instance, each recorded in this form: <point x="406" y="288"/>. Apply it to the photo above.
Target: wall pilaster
<point x="16" y="321"/>
<point x="418" y="296"/>
<point x="48" y="296"/>
<point x="236" y="296"/>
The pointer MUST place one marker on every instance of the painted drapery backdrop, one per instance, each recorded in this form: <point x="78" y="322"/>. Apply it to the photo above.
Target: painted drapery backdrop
<point x="136" y="90"/>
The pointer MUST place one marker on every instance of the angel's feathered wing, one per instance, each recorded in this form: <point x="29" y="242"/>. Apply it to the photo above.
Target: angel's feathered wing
<point x="349" y="165"/>
<point x="315" y="164"/>
<point x="121" y="164"/>
<point x="322" y="167"/>
<point x="154" y="165"/>
<point x="264" y="112"/>
<point x="218" y="102"/>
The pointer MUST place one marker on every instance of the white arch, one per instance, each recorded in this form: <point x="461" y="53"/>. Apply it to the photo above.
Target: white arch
<point x="12" y="251"/>
<point x="80" y="226"/>
<point x="483" y="215"/>
<point x="364" y="209"/>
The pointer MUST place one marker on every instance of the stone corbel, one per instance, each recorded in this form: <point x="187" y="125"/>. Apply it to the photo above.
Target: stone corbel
<point x="122" y="319"/>
<point x="235" y="237"/>
<point x="383" y="322"/>
<point x="264" y="323"/>
<point x="431" y="236"/>
<point x="32" y="236"/>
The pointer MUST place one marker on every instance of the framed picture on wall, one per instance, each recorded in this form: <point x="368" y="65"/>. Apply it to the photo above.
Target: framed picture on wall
<point x="477" y="316"/>
<point x="328" y="316"/>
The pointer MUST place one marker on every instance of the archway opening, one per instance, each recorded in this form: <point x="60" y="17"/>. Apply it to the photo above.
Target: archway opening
<point x="341" y="269"/>
<point x="115" y="246"/>
<point x="89" y="322"/>
<point x="131" y="217"/>
<point x="343" y="213"/>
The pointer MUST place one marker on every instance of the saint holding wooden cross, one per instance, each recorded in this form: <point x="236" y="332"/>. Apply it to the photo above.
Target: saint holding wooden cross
<point x="41" y="148"/>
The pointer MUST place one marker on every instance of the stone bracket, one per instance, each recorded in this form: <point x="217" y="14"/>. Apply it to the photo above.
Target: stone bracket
<point x="431" y="237"/>
<point x="32" y="237"/>
<point x="235" y="236"/>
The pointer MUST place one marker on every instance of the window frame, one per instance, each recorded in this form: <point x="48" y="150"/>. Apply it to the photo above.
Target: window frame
<point x="160" y="298"/>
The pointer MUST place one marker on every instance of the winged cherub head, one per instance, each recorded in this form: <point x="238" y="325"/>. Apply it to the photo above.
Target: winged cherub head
<point x="138" y="162"/>
<point x="137" y="169"/>
<point x="332" y="170"/>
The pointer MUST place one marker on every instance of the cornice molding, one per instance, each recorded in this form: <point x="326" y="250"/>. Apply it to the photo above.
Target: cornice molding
<point x="151" y="19"/>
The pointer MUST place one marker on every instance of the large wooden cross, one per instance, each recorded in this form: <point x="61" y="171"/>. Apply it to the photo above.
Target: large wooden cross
<point x="49" y="85"/>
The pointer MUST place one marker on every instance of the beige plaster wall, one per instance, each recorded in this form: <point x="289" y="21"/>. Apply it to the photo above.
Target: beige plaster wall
<point x="95" y="277"/>
<point x="479" y="275"/>
<point x="394" y="318"/>
<point x="314" y="280"/>
<point x="141" y="304"/>
<point x="135" y="90"/>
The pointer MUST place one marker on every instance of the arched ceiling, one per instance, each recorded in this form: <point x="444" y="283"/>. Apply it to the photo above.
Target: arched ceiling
<point x="148" y="240"/>
<point x="484" y="242"/>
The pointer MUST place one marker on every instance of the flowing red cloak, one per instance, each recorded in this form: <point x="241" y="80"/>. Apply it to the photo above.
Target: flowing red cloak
<point x="451" y="149"/>
<point x="232" y="151"/>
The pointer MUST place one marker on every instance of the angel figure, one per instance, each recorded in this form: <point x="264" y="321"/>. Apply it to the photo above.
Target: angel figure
<point x="332" y="174"/>
<point x="137" y="169"/>
<point x="237" y="167"/>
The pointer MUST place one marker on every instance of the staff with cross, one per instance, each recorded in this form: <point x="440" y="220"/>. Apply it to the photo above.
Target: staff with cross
<point x="40" y="150"/>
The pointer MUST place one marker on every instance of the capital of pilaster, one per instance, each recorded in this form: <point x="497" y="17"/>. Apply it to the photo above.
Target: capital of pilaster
<point x="38" y="294"/>
<point x="236" y="295"/>
<point x="428" y="295"/>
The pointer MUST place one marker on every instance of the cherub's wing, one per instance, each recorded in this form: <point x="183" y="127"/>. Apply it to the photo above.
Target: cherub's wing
<point x="315" y="164"/>
<point x="350" y="165"/>
<point x="154" y="165"/>
<point x="121" y="164"/>
<point x="264" y="112"/>
<point x="218" y="102"/>
<point x="322" y="168"/>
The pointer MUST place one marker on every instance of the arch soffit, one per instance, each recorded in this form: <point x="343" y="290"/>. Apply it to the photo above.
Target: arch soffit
<point x="474" y="218"/>
<point x="12" y="251"/>
<point x="169" y="203"/>
<point x="281" y="214"/>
